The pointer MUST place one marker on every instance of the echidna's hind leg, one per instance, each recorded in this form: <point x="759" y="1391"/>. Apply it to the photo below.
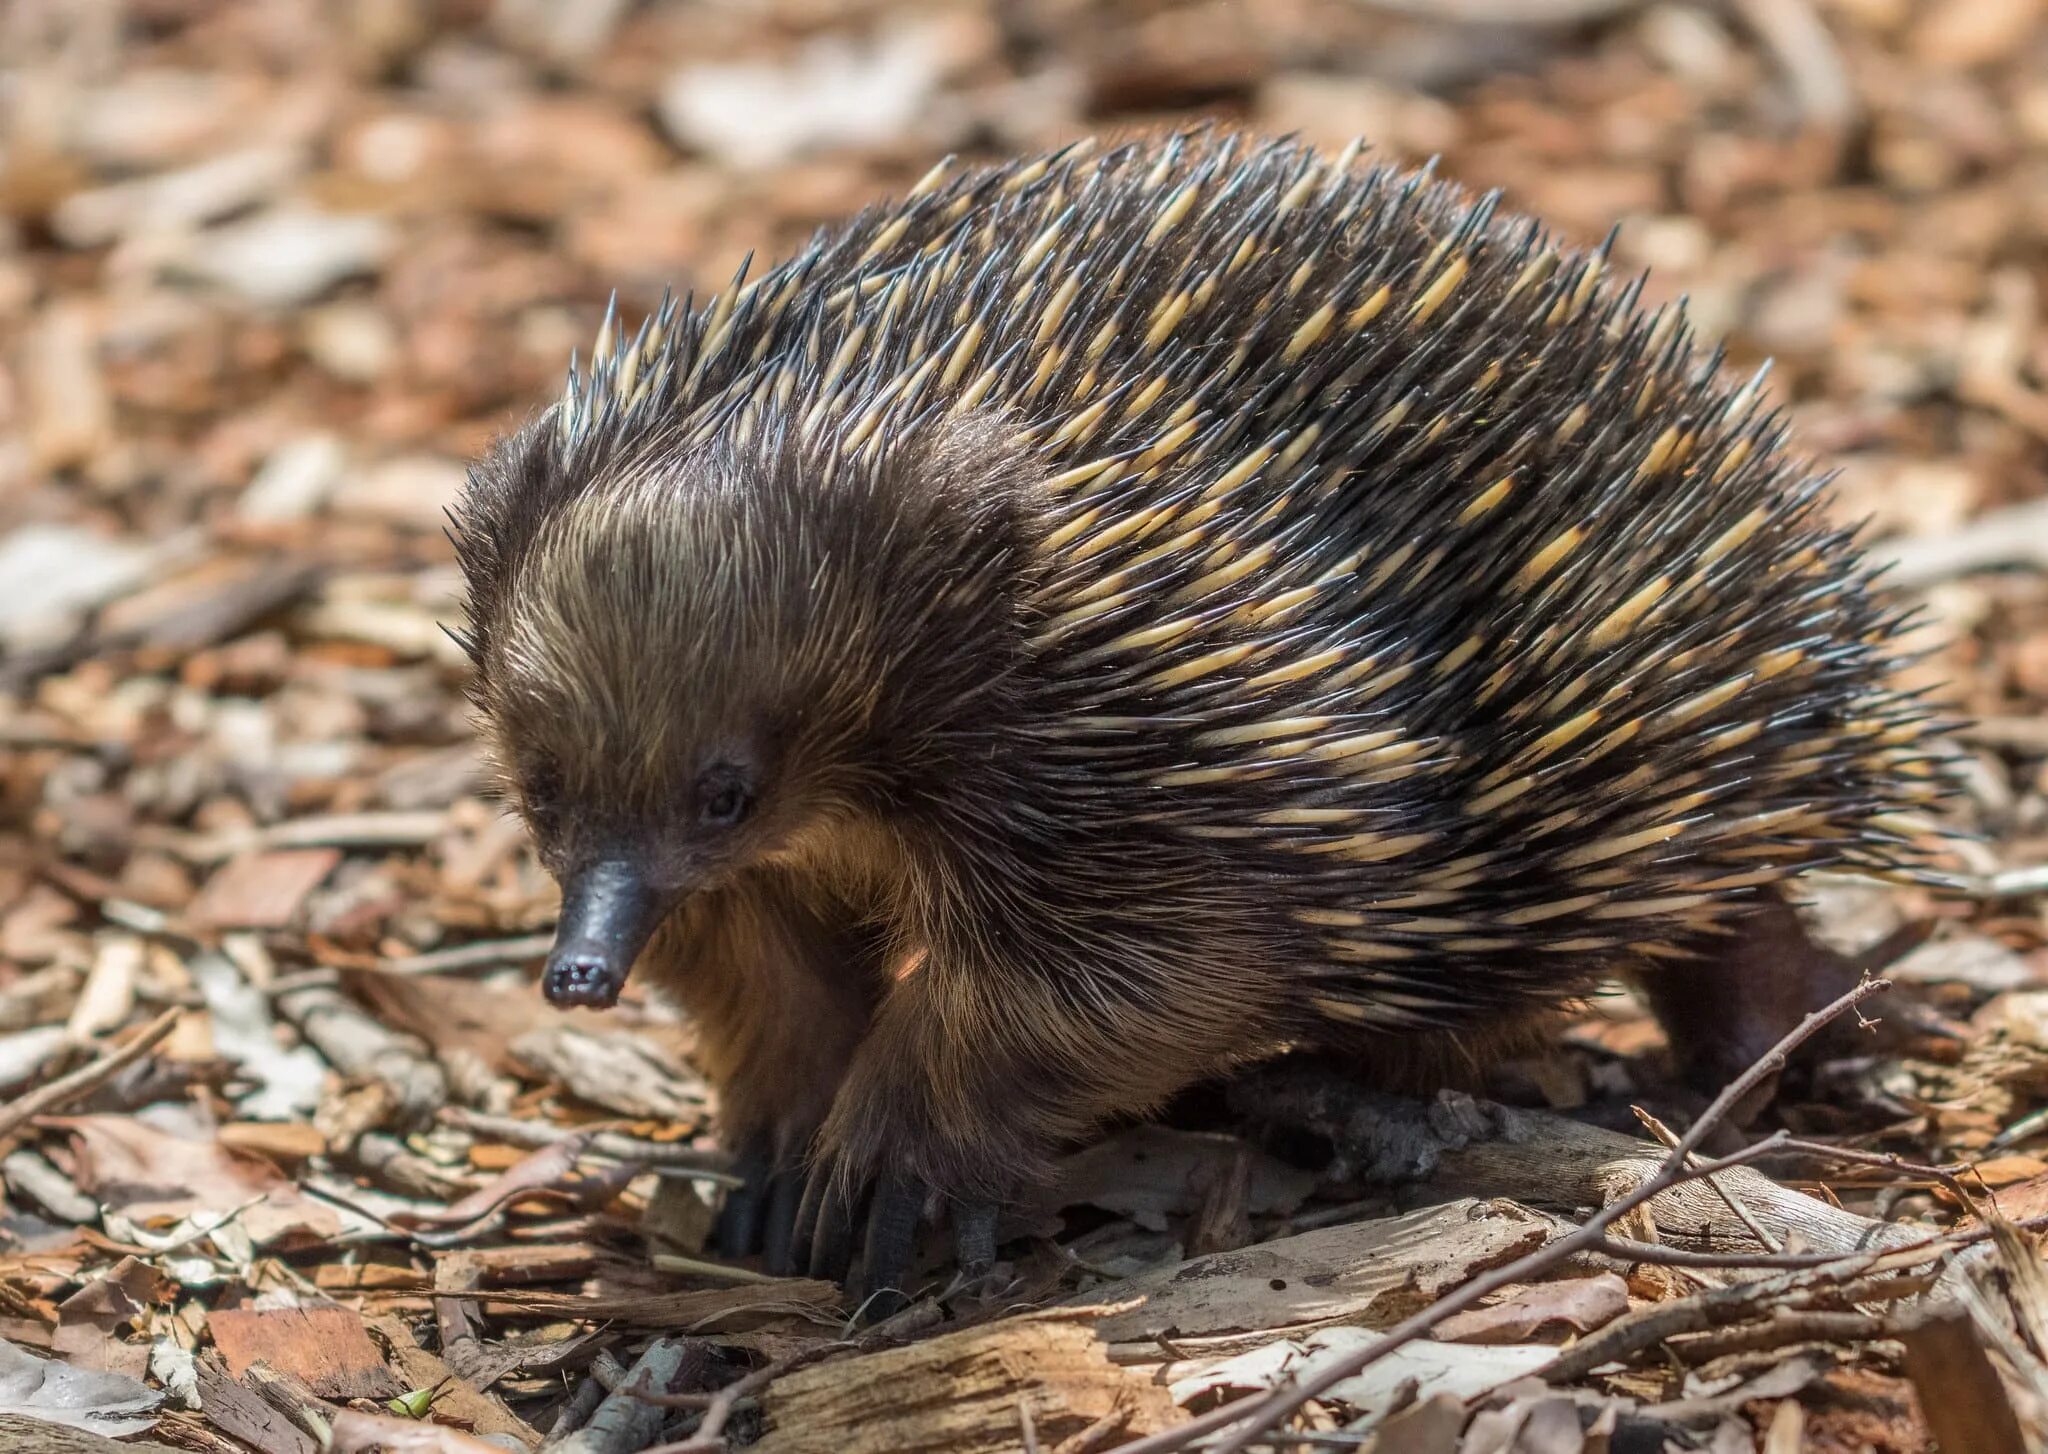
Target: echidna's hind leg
<point x="1750" y="987"/>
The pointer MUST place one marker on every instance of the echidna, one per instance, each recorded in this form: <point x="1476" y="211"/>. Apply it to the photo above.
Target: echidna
<point x="1103" y="617"/>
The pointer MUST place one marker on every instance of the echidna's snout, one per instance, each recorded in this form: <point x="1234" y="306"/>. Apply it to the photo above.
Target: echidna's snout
<point x="609" y="912"/>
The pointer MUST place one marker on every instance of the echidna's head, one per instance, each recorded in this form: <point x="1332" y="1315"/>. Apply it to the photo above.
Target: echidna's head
<point x="694" y="660"/>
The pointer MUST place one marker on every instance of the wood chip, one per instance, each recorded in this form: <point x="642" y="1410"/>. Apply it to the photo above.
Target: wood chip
<point x="778" y="1302"/>
<point x="1368" y="1273"/>
<point x="327" y="1348"/>
<point x="286" y="1141"/>
<point x="959" y="1394"/>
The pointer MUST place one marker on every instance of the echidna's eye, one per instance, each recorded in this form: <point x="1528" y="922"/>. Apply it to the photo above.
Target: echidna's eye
<point x="723" y="796"/>
<point x="541" y="788"/>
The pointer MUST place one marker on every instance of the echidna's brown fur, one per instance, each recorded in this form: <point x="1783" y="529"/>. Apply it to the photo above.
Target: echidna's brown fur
<point x="1176" y="601"/>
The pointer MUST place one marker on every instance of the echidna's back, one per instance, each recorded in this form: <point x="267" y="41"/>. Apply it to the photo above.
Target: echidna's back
<point x="1384" y="543"/>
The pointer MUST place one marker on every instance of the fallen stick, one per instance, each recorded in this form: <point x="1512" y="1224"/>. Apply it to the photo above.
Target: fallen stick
<point x="88" y="1078"/>
<point x="1818" y="1290"/>
<point x="627" y="1422"/>
<point x="358" y="1046"/>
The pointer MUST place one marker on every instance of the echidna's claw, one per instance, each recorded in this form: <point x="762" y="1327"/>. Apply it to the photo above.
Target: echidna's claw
<point x="974" y="1236"/>
<point x="823" y="1237"/>
<point x="887" y="1212"/>
<point x="740" y="1220"/>
<point x="760" y="1215"/>
<point x="893" y="1217"/>
<point x="778" y="1232"/>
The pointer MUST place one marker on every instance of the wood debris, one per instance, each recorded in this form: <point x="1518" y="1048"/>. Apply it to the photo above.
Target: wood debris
<point x="962" y="1392"/>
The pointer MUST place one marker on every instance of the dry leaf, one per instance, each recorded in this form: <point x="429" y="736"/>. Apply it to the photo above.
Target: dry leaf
<point x="1578" y="1304"/>
<point x="105" y="1403"/>
<point x="155" y="1177"/>
<point x="262" y="890"/>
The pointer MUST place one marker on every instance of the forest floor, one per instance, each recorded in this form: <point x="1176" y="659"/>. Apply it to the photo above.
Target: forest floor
<point x="293" y="1154"/>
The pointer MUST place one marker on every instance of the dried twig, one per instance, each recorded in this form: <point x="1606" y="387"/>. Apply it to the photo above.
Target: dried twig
<point x="629" y="1417"/>
<point x="1087" y="1440"/>
<point x="1533" y="13"/>
<point x="1857" y="1281"/>
<point x="1800" y="42"/>
<point x="606" y="1374"/>
<point x="709" y="1435"/>
<point x="1949" y="1175"/>
<point x="464" y="958"/>
<point x="88" y="1078"/>
<point x="671" y="1157"/>
<point x="703" y="1267"/>
<point x="1658" y="1254"/>
<point x="337" y="830"/>
<point x="1669" y="1140"/>
<point x="1781" y="1328"/>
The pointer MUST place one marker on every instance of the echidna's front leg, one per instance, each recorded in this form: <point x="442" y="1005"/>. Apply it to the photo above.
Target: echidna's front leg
<point x="962" y="1095"/>
<point x="941" y="1116"/>
<point x="780" y="991"/>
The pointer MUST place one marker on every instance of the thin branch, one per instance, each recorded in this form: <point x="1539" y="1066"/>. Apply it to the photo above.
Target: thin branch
<point x="1533" y="13"/>
<point x="1669" y="1139"/>
<point x="1792" y="1292"/>
<point x="465" y="958"/>
<point x="709" y="1435"/>
<point x="86" y="1079"/>
<point x="1782" y="1329"/>
<point x="1949" y="1175"/>
<point x="1657" y="1254"/>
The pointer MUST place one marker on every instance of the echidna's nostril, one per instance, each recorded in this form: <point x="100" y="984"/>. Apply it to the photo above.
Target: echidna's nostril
<point x="586" y="978"/>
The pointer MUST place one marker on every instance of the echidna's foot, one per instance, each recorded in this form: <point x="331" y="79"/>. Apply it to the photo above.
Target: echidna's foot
<point x="894" y="1212"/>
<point x="884" y="1218"/>
<point x="822" y="1241"/>
<point x="1374" y="1137"/>
<point x="759" y="1216"/>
